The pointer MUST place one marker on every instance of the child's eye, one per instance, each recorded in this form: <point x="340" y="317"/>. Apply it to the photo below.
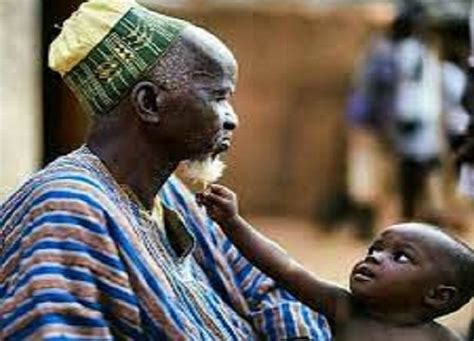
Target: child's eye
<point x="374" y="248"/>
<point x="401" y="257"/>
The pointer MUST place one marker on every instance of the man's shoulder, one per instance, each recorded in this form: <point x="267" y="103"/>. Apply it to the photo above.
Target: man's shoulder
<point x="60" y="185"/>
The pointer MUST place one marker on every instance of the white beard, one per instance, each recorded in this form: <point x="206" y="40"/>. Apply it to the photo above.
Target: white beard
<point x="204" y="171"/>
<point x="466" y="180"/>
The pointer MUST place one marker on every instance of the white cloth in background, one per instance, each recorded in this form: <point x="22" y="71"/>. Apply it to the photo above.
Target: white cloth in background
<point x="417" y="100"/>
<point x="466" y="180"/>
<point x="454" y="82"/>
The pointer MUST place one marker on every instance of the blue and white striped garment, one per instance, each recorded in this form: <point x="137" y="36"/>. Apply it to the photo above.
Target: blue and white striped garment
<point x="79" y="261"/>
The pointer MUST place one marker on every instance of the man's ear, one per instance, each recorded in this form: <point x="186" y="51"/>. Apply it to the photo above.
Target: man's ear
<point x="440" y="296"/>
<point x="145" y="99"/>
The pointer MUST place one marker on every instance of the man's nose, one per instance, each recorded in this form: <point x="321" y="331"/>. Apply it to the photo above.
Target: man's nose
<point x="231" y="120"/>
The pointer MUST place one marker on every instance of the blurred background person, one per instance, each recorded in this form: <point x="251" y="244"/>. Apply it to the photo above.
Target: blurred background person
<point x="416" y="117"/>
<point x="454" y="52"/>
<point x="401" y="105"/>
<point x="368" y="112"/>
<point x="395" y="108"/>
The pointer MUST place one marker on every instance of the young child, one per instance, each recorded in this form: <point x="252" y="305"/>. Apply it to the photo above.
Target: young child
<point x="412" y="274"/>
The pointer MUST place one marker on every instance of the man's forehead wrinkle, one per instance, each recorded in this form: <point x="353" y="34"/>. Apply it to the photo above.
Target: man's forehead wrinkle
<point x="211" y="64"/>
<point x="217" y="78"/>
<point x="208" y="69"/>
<point x="207" y="79"/>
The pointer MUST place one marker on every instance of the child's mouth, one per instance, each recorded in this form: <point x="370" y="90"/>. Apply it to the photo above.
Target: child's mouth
<point x="363" y="274"/>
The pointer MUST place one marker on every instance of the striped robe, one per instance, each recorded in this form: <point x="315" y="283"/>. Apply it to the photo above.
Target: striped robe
<point x="79" y="261"/>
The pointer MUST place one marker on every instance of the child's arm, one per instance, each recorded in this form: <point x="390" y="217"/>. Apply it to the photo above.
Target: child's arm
<point x="324" y="297"/>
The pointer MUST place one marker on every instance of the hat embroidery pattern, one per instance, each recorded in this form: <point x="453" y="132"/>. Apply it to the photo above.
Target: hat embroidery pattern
<point x="133" y="46"/>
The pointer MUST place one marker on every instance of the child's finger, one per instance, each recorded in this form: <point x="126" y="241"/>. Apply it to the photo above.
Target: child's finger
<point x="215" y="199"/>
<point x="209" y="200"/>
<point x="200" y="199"/>
<point x="222" y="190"/>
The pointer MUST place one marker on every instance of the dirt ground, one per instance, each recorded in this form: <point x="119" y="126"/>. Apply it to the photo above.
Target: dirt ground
<point x="331" y="255"/>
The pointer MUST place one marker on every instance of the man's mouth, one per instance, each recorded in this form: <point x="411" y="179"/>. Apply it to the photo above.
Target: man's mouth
<point x="363" y="274"/>
<point x="222" y="146"/>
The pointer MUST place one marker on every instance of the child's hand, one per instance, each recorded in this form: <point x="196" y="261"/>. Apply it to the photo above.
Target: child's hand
<point x="220" y="203"/>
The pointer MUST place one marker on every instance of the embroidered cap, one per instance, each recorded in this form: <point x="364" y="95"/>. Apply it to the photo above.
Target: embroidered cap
<point x="106" y="46"/>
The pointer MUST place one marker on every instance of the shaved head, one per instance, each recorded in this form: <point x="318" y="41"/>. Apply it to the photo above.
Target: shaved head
<point x="455" y="259"/>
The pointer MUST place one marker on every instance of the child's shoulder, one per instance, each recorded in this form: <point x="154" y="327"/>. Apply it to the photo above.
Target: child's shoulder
<point x="443" y="333"/>
<point x="377" y="330"/>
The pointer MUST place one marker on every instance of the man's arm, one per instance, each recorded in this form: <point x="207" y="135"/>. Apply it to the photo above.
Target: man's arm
<point x="272" y="311"/>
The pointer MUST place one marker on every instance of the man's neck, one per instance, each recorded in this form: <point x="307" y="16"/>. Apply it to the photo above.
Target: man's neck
<point x="135" y="165"/>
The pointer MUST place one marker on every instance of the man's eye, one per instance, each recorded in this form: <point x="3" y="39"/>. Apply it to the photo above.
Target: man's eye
<point x="401" y="257"/>
<point x="221" y="96"/>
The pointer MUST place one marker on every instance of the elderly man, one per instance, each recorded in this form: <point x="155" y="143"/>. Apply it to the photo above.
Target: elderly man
<point x="88" y="249"/>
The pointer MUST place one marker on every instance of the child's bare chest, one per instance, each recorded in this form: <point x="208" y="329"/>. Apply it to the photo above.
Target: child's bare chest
<point x="369" y="330"/>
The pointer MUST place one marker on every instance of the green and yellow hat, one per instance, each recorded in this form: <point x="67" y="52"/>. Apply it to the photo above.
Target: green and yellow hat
<point x="106" y="46"/>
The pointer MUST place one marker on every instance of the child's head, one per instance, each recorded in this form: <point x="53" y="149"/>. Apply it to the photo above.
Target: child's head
<point x="417" y="269"/>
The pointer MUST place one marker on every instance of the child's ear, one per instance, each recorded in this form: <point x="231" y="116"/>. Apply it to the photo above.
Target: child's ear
<point x="440" y="296"/>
